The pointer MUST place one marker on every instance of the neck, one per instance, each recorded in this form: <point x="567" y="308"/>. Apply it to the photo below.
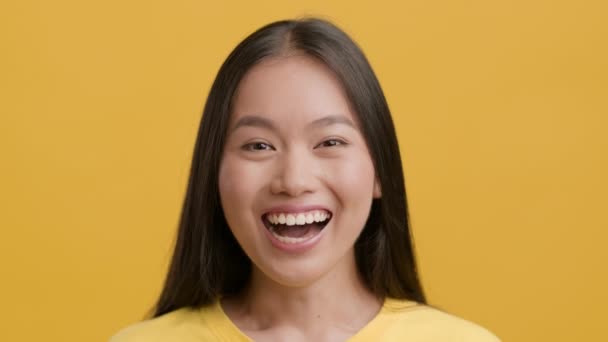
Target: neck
<point x="338" y="300"/>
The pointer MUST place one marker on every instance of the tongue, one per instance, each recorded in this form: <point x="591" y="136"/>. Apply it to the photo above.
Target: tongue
<point x="297" y="231"/>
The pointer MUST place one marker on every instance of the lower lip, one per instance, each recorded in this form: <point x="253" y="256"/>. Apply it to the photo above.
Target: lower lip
<point x="298" y="247"/>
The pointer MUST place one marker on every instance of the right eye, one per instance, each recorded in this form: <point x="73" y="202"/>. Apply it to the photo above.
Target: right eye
<point x="256" y="146"/>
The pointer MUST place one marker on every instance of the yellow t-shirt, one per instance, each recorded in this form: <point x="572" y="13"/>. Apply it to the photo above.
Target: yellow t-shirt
<point x="398" y="320"/>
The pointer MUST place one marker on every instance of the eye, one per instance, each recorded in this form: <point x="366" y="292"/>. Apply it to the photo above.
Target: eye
<point x="257" y="146"/>
<point x="332" y="142"/>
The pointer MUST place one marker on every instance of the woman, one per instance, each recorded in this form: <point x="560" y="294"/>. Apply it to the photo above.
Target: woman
<point x="294" y="226"/>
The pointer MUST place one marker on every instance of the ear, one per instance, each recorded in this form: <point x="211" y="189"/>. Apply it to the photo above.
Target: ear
<point x="377" y="189"/>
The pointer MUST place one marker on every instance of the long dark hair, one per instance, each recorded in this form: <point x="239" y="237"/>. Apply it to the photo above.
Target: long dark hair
<point x="207" y="261"/>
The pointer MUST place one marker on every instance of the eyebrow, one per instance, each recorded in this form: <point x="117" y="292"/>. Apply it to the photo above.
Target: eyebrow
<point x="258" y="121"/>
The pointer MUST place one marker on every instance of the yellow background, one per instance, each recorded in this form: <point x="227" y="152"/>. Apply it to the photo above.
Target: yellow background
<point x="500" y="109"/>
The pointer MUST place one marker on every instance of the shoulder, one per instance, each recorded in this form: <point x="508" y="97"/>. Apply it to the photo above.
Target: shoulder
<point x="428" y="323"/>
<point x="182" y="324"/>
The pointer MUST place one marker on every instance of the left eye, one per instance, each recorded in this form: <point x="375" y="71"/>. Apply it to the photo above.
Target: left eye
<point x="332" y="142"/>
<point x="257" y="146"/>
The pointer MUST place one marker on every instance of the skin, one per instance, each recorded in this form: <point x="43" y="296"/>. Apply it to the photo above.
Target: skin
<point x="316" y="294"/>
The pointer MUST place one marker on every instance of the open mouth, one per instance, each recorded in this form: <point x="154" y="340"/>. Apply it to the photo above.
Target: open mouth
<point x="296" y="228"/>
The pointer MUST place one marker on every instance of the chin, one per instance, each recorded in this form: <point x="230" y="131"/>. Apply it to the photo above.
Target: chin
<point x="296" y="273"/>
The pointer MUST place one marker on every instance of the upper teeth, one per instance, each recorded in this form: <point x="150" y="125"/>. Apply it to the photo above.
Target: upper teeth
<point x="298" y="219"/>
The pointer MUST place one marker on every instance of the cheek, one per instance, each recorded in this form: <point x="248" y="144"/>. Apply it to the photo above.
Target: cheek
<point x="235" y="185"/>
<point x="239" y="183"/>
<point x="353" y="177"/>
<point x="353" y="182"/>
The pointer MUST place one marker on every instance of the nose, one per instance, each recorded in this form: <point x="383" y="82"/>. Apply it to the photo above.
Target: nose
<point x="294" y="175"/>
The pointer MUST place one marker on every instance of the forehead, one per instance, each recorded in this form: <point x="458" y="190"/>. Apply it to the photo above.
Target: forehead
<point x="290" y="90"/>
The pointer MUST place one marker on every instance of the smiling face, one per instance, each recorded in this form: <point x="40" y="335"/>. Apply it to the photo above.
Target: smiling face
<point x="296" y="179"/>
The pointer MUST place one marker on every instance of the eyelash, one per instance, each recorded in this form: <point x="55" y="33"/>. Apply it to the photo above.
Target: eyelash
<point x="247" y="146"/>
<point x="339" y="141"/>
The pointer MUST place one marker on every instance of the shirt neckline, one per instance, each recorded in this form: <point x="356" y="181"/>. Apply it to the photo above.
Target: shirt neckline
<point x="228" y="329"/>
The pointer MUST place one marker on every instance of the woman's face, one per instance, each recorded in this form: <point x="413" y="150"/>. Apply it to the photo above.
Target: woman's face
<point x="296" y="178"/>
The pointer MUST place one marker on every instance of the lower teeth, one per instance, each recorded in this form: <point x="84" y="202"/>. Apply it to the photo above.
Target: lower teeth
<point x="287" y="239"/>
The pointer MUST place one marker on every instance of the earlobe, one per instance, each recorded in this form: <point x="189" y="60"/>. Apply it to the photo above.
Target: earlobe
<point x="377" y="189"/>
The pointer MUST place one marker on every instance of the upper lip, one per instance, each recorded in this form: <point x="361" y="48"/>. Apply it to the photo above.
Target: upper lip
<point x="294" y="209"/>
